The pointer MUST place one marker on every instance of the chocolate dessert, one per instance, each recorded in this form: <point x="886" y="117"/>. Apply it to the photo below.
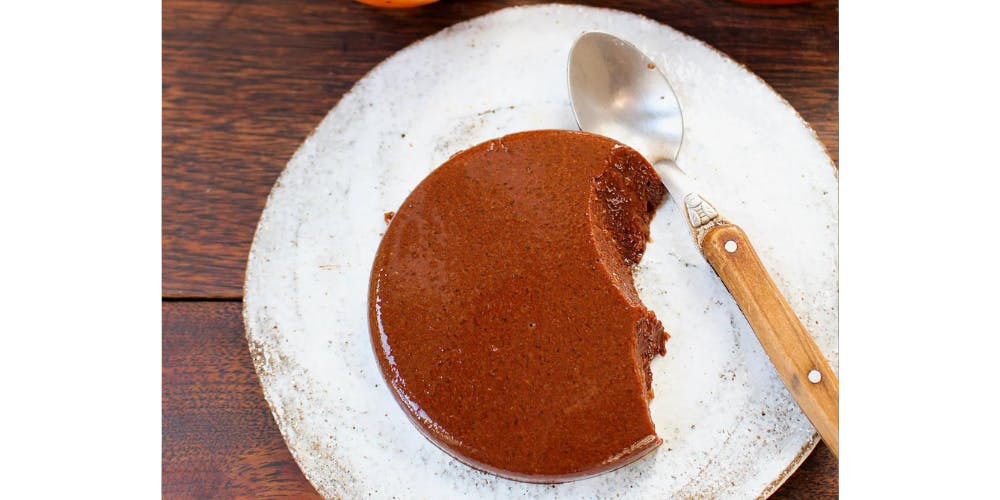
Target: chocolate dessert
<point x="502" y="309"/>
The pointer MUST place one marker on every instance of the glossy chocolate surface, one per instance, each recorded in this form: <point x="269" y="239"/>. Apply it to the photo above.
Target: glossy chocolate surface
<point x="502" y="309"/>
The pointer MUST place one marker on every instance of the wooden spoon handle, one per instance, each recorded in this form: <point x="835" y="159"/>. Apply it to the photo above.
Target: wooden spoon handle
<point x="792" y="350"/>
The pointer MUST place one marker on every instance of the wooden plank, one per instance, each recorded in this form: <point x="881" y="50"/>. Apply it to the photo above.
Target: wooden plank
<point x="816" y="479"/>
<point x="244" y="82"/>
<point x="220" y="441"/>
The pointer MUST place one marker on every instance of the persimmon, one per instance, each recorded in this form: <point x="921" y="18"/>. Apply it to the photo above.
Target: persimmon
<point x="396" y="4"/>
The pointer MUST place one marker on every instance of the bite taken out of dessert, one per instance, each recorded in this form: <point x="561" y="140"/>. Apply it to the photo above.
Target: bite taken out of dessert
<point x="502" y="309"/>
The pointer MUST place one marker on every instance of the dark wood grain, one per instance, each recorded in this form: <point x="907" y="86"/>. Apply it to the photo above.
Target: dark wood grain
<point x="220" y="441"/>
<point x="816" y="479"/>
<point x="244" y="82"/>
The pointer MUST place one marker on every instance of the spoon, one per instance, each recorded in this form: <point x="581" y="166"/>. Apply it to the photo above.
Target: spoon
<point x="618" y="92"/>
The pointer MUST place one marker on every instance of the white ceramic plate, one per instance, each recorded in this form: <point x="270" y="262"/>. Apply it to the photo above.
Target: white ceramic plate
<point x="729" y="426"/>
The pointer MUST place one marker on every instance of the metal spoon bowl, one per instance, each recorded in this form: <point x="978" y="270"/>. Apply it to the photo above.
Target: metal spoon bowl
<point x="618" y="92"/>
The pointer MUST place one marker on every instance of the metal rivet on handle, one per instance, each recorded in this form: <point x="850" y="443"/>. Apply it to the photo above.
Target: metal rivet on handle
<point x="815" y="376"/>
<point x="730" y="246"/>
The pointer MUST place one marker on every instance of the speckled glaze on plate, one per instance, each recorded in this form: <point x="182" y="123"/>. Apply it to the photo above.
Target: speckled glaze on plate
<point x="730" y="428"/>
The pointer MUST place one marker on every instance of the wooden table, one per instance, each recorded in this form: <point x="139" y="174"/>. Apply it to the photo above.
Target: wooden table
<point x="244" y="82"/>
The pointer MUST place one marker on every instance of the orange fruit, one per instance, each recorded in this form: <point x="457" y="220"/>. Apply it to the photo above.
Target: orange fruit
<point x="396" y="4"/>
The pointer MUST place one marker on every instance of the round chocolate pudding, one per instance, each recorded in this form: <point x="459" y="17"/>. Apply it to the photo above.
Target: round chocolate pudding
<point x="502" y="309"/>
